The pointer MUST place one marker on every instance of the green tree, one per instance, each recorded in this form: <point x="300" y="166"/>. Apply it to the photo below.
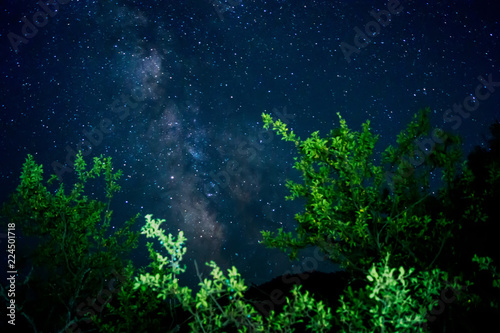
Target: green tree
<point x="359" y="210"/>
<point x="350" y="211"/>
<point x="73" y="250"/>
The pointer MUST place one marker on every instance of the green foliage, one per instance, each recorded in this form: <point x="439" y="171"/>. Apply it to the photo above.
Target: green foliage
<point x="74" y="249"/>
<point x="136" y="310"/>
<point x="350" y="212"/>
<point x="359" y="207"/>
<point x="486" y="264"/>
<point x="302" y="305"/>
<point x="392" y="301"/>
<point x="220" y="304"/>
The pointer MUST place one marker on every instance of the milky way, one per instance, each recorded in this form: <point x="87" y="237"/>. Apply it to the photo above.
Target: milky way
<point x="182" y="86"/>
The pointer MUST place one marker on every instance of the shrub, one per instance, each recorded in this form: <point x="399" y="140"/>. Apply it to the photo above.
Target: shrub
<point x="220" y="304"/>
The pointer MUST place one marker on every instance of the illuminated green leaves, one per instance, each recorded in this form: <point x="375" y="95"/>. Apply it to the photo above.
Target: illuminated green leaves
<point x="394" y="300"/>
<point x="207" y="312"/>
<point x="334" y="171"/>
<point x="486" y="264"/>
<point x="343" y="193"/>
<point x="279" y="127"/>
<point x="175" y="247"/>
<point x="71" y="235"/>
<point x="356" y="212"/>
<point x="301" y="306"/>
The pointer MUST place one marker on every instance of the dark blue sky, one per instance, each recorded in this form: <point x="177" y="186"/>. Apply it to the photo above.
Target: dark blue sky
<point x="182" y="86"/>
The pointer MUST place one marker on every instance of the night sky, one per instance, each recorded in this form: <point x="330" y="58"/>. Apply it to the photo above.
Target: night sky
<point x="173" y="91"/>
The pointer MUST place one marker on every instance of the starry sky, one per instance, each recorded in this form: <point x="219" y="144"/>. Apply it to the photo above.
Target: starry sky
<point x="173" y="91"/>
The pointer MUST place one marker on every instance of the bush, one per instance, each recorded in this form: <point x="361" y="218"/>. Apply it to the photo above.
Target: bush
<point x="220" y="305"/>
